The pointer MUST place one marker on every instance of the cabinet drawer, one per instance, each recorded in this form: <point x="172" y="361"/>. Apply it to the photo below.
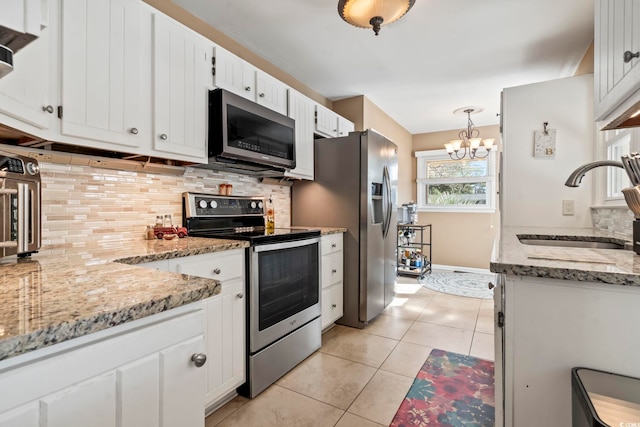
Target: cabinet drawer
<point x="331" y="269"/>
<point x="332" y="308"/>
<point x="221" y="266"/>
<point x="331" y="243"/>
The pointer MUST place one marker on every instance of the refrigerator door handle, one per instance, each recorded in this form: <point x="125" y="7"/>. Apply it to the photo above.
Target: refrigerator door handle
<point x="386" y="191"/>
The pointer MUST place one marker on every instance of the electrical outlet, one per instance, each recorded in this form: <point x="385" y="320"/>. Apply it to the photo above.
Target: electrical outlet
<point x="568" y="207"/>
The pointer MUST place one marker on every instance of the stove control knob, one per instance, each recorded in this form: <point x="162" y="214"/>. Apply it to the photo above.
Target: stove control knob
<point x="253" y="205"/>
<point x="213" y="204"/>
<point x="202" y="204"/>
<point x="260" y="205"/>
<point x="32" y="168"/>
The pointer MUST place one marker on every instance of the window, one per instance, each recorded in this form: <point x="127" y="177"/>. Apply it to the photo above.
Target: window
<point x="617" y="143"/>
<point x="446" y="185"/>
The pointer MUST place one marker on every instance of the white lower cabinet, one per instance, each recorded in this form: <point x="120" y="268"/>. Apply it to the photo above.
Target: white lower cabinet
<point x="224" y="322"/>
<point x="331" y="278"/>
<point x="225" y="341"/>
<point x="138" y="374"/>
<point x="552" y="326"/>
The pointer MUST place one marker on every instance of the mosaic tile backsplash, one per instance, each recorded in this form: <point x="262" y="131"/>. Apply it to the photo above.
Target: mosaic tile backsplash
<point x="81" y="203"/>
<point x="618" y="219"/>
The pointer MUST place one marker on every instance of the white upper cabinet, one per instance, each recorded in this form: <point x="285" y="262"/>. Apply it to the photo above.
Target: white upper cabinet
<point x="234" y="74"/>
<point x="238" y="76"/>
<point x="331" y="124"/>
<point x="302" y="110"/>
<point x="345" y="126"/>
<point x="24" y="16"/>
<point x="26" y="94"/>
<point x="181" y="81"/>
<point x="326" y="122"/>
<point x="616" y="53"/>
<point x="271" y="93"/>
<point x="105" y="56"/>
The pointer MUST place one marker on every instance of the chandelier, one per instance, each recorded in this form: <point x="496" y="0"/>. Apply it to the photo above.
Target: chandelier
<point x="469" y="140"/>
<point x="373" y="13"/>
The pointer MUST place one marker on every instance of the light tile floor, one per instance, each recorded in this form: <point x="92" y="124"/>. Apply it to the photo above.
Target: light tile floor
<point x="359" y="377"/>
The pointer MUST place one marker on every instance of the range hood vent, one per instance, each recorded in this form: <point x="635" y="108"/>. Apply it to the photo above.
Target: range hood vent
<point x="241" y="167"/>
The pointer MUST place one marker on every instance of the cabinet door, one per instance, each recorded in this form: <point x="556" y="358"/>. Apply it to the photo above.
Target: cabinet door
<point x="234" y="74"/>
<point x="225" y="341"/>
<point x="105" y="63"/>
<point x="616" y="32"/>
<point x="326" y="122"/>
<point x="271" y="93"/>
<point x="182" y="385"/>
<point x="25" y="95"/>
<point x="138" y="393"/>
<point x="181" y="82"/>
<point x="24" y="416"/>
<point x="345" y="126"/>
<point x="302" y="110"/>
<point x="90" y="403"/>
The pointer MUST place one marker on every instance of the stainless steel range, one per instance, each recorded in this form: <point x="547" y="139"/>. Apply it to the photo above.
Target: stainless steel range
<point x="283" y="273"/>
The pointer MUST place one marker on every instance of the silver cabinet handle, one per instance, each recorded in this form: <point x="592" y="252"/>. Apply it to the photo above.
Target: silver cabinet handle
<point x="164" y="137"/>
<point x="491" y="285"/>
<point x="47" y="109"/>
<point x="239" y="295"/>
<point x="334" y="305"/>
<point x="628" y="56"/>
<point x="261" y="95"/>
<point x="334" y="271"/>
<point x="247" y="88"/>
<point x="333" y="245"/>
<point x="199" y="359"/>
<point x="134" y="131"/>
<point x="216" y="271"/>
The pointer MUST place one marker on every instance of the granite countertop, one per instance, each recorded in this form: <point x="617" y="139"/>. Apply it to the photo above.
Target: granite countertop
<point x="58" y="295"/>
<point x="613" y="266"/>
<point x="327" y="230"/>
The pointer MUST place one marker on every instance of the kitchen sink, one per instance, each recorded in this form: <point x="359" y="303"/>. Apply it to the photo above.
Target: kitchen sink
<point x="572" y="243"/>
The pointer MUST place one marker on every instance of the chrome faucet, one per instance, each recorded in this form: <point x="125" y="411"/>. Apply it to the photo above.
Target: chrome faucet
<point x="576" y="176"/>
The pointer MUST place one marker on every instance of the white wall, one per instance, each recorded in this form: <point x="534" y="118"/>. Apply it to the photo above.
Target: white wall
<point x="533" y="187"/>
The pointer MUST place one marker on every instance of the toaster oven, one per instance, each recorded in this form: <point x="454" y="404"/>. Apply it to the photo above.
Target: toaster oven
<point x="19" y="205"/>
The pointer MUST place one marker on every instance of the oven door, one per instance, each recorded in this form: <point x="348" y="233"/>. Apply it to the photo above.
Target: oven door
<point x="284" y="289"/>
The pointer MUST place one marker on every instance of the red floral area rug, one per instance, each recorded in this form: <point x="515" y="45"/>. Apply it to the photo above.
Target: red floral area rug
<point x="450" y="390"/>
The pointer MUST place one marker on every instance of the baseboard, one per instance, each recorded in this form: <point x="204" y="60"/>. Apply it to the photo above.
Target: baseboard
<point x="462" y="269"/>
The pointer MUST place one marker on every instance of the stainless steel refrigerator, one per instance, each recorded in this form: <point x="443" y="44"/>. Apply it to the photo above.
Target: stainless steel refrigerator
<point x="355" y="188"/>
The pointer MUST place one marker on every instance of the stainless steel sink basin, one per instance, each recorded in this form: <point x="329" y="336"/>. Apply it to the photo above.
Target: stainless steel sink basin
<point x="572" y="243"/>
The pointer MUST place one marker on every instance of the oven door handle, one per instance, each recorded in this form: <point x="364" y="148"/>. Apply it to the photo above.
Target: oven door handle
<point x="286" y="245"/>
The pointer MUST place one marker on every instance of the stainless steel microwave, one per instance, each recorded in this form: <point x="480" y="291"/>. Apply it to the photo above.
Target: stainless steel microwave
<point x="249" y="135"/>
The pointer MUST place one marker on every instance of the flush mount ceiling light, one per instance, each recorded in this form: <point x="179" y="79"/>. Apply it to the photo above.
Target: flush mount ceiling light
<point x="373" y="13"/>
<point x="469" y="140"/>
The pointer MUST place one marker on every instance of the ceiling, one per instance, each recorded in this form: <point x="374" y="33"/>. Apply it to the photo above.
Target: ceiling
<point x="442" y="55"/>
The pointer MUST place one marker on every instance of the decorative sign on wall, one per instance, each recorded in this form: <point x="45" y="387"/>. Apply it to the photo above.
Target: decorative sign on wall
<point x="544" y="142"/>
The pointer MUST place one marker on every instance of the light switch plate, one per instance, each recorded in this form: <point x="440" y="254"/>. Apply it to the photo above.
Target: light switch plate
<point x="568" y="207"/>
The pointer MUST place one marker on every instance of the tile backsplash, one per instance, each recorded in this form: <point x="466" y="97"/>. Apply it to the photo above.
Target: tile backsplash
<point x="81" y="203"/>
<point x="616" y="219"/>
